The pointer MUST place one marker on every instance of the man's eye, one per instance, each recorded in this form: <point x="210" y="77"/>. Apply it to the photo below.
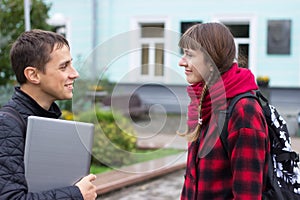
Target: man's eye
<point x="64" y="66"/>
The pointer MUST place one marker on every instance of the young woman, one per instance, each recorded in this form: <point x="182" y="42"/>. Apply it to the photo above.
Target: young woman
<point x="215" y="77"/>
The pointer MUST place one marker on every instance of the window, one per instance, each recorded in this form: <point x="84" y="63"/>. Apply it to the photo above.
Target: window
<point x="241" y="35"/>
<point x="186" y="25"/>
<point x="159" y="59"/>
<point x="60" y="24"/>
<point x="152" y="49"/>
<point x="239" y="30"/>
<point x="60" y="30"/>
<point x="145" y="59"/>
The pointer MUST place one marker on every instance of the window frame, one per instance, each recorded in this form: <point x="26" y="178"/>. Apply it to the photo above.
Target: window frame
<point x="136" y="57"/>
<point x="251" y="20"/>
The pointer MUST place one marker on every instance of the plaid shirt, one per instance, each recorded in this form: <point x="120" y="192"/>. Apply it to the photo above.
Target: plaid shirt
<point x="242" y="173"/>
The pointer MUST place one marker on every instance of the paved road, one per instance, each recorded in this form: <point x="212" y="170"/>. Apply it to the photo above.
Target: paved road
<point x="167" y="187"/>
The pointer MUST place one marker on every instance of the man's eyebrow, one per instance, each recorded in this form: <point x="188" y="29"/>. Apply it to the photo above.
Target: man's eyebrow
<point x="67" y="61"/>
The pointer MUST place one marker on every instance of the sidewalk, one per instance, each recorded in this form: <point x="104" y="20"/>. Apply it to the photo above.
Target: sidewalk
<point x="117" y="179"/>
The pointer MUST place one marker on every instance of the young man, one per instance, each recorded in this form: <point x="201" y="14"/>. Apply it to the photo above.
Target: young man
<point x="43" y="67"/>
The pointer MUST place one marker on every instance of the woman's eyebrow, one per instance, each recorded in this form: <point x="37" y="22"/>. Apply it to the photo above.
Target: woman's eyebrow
<point x="186" y="51"/>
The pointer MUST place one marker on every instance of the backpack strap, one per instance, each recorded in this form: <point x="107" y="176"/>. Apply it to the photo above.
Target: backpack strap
<point x="224" y="117"/>
<point x="15" y="114"/>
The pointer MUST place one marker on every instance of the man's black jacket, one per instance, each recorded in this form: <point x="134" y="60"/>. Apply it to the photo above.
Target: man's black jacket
<point x="12" y="141"/>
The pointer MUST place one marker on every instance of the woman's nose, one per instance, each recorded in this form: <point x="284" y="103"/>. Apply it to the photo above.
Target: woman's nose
<point x="182" y="62"/>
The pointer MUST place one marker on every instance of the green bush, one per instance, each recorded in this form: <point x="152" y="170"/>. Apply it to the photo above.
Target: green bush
<point x="114" y="139"/>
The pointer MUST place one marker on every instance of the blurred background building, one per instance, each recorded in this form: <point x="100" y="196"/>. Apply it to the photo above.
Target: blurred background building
<point x="266" y="33"/>
<point x="134" y="44"/>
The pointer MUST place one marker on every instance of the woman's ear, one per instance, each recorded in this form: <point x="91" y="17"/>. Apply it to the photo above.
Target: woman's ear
<point x="211" y="68"/>
<point x="32" y="75"/>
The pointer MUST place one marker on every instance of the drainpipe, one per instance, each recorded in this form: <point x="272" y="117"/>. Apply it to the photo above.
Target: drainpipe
<point x="27" y="14"/>
<point x="94" y="37"/>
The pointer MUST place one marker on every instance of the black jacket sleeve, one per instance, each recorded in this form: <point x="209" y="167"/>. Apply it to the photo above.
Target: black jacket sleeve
<point x="12" y="173"/>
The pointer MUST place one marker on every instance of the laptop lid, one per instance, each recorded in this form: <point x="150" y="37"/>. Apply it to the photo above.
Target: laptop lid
<point x="57" y="152"/>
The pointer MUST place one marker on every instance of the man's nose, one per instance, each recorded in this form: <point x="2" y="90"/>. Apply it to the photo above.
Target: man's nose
<point x="74" y="73"/>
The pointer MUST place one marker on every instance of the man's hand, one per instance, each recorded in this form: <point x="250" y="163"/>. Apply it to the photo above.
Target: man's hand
<point x="87" y="188"/>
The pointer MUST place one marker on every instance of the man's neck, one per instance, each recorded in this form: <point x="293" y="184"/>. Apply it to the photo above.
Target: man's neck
<point x="35" y="93"/>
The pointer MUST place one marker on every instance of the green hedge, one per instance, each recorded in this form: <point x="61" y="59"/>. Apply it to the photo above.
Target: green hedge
<point x="115" y="139"/>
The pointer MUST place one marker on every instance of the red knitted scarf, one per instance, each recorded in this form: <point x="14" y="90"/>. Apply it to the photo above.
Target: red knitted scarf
<point x="235" y="81"/>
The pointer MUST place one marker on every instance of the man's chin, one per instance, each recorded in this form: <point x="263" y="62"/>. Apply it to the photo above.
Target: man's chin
<point x="67" y="97"/>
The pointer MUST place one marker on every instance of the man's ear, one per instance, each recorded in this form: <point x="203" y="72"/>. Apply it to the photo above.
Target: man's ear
<point x="32" y="75"/>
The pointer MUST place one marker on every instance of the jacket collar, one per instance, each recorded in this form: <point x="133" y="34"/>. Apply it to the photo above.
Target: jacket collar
<point x="21" y="98"/>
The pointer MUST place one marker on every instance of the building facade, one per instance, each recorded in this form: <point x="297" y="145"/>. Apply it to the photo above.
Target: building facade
<point x="136" y="41"/>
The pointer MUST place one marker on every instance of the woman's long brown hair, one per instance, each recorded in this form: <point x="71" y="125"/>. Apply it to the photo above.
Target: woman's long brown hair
<point x="217" y="42"/>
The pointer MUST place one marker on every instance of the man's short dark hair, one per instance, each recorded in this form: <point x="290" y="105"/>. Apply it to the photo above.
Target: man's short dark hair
<point x="33" y="48"/>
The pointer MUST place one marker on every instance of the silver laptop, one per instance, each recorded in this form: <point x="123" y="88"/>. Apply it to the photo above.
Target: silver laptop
<point x="57" y="152"/>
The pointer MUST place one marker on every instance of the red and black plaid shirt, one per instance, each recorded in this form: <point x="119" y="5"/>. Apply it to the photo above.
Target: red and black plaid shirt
<point x="242" y="173"/>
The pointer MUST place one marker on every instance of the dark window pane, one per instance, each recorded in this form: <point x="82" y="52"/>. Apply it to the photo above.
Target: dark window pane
<point x="159" y="59"/>
<point x="145" y="59"/>
<point x="152" y="30"/>
<point x="186" y="25"/>
<point x="239" y="30"/>
<point x="243" y="55"/>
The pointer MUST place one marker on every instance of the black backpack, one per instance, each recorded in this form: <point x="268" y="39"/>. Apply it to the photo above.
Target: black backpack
<point x="283" y="181"/>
